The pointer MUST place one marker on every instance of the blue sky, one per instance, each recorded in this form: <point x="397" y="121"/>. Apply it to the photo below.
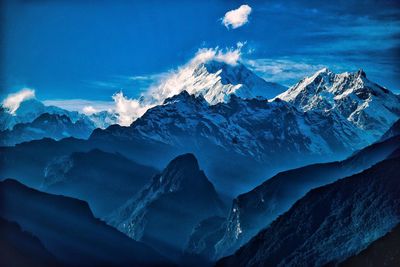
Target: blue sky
<point x="92" y="49"/>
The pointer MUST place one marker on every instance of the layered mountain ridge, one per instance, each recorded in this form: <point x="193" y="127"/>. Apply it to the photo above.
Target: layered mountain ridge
<point x="256" y="209"/>
<point x="69" y="231"/>
<point x="330" y="223"/>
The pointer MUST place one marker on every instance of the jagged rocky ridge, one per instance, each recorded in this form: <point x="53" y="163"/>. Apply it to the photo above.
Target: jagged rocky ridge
<point x="350" y="96"/>
<point x="330" y="223"/>
<point x="257" y="208"/>
<point x="69" y="231"/>
<point x="164" y="213"/>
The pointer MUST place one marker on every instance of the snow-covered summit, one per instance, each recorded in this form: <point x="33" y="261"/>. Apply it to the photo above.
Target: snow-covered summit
<point x="215" y="81"/>
<point x="362" y="102"/>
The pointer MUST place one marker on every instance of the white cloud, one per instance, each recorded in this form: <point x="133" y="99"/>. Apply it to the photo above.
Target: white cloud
<point x="128" y="109"/>
<point x="237" y="17"/>
<point x="13" y="101"/>
<point x="229" y="56"/>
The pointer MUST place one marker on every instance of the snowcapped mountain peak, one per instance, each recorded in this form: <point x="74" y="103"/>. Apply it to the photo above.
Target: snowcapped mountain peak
<point x="364" y="103"/>
<point x="215" y="81"/>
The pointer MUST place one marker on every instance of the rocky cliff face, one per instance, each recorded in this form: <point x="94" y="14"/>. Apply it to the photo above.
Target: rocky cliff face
<point x="256" y="209"/>
<point x="165" y="212"/>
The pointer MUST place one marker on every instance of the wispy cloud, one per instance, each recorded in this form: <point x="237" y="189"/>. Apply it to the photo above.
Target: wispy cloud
<point x="282" y="70"/>
<point x="12" y="102"/>
<point x="81" y="105"/>
<point x="134" y="83"/>
<point x="237" y="17"/>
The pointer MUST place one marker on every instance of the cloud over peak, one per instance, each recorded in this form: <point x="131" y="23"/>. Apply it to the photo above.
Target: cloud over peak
<point x="13" y="101"/>
<point x="229" y="56"/>
<point x="173" y="83"/>
<point x="237" y="17"/>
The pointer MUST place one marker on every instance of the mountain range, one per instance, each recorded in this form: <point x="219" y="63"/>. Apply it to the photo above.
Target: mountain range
<point x="310" y="172"/>
<point x="33" y="120"/>
<point x="267" y="135"/>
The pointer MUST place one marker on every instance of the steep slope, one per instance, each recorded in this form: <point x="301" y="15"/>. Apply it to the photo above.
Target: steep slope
<point x="20" y="248"/>
<point x="257" y="208"/>
<point x="352" y="96"/>
<point x="215" y="81"/>
<point x="104" y="180"/>
<point x="68" y="230"/>
<point x="200" y="247"/>
<point x="384" y="251"/>
<point x="330" y="223"/>
<point x="46" y="125"/>
<point x="165" y="212"/>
